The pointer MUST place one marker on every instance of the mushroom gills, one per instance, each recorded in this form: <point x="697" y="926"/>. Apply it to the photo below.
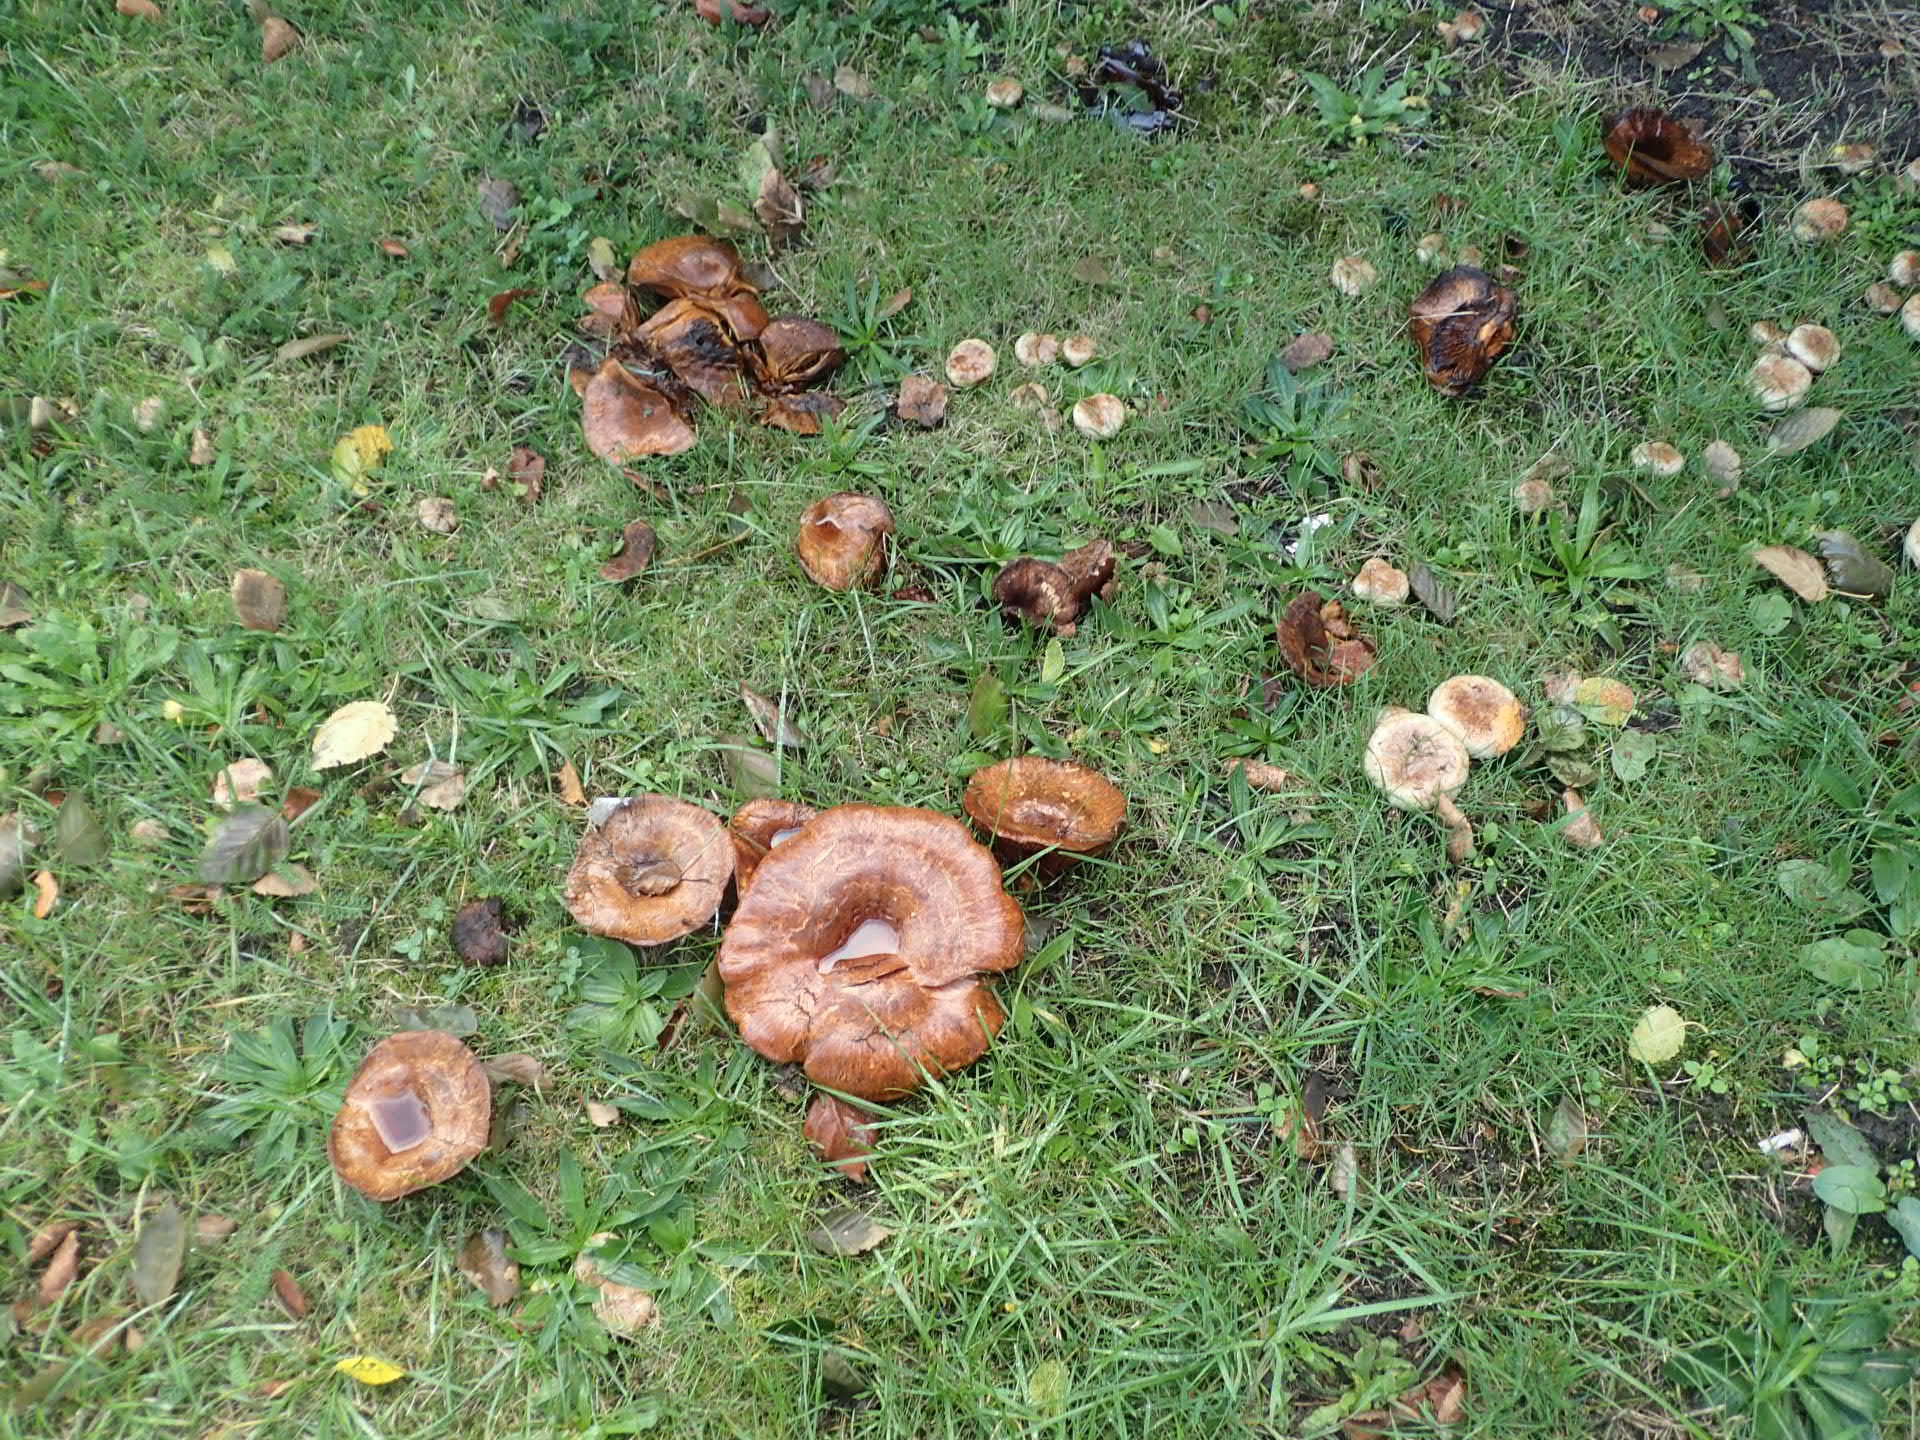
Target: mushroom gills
<point x="779" y="835"/>
<point x="870" y="937"/>
<point x="401" y="1120"/>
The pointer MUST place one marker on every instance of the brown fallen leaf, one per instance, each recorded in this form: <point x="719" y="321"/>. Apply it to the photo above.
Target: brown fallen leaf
<point x="49" y="1238"/>
<point x="499" y="199"/>
<point x="501" y="303"/>
<point x="259" y="599"/>
<point x="241" y="781"/>
<point x="295" y="234"/>
<point x="741" y="12"/>
<point x="1319" y="645"/>
<point x="528" y="469"/>
<point x="309" y="345"/>
<point x="1795" y="569"/>
<point x="57" y="170"/>
<point x="1582" y="830"/>
<point x="637" y="544"/>
<point x="1705" y="663"/>
<point x="478" y="934"/>
<point x="774" y="727"/>
<point x="567" y="780"/>
<point x="601" y="1115"/>
<point x="778" y="207"/>
<point x="1306" y="351"/>
<point x="212" y="1230"/>
<point x="201" y="452"/>
<point x="516" y="1068"/>
<point x="1651" y="147"/>
<point x="842" y="1133"/>
<point x="62" y="1269"/>
<point x="138" y="9"/>
<point x="289" y="880"/>
<point x="277" y="39"/>
<point x="46" y="894"/>
<point x="299" y="800"/>
<point x="923" y="400"/>
<point x="1259" y="775"/>
<point x="485" y="1264"/>
<point x="14" y="606"/>
<point x="287" y="1291"/>
<point x="442" y="785"/>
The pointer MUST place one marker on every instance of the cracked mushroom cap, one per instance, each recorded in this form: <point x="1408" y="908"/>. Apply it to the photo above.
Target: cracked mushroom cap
<point x="694" y="266"/>
<point x="416" y="1111"/>
<point x="1030" y="804"/>
<point x="796" y="352"/>
<point x="692" y="338"/>
<point x="627" y="419"/>
<point x="1462" y="322"/>
<point x="858" y="951"/>
<point x="1415" y="760"/>
<point x="757" y="827"/>
<point x="1485" y="714"/>
<point x="656" y="870"/>
<point x="843" y="540"/>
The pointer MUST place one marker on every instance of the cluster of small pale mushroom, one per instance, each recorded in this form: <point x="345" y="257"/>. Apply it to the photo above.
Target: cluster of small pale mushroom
<point x="1903" y="280"/>
<point x="1789" y="360"/>
<point x="973" y="361"/>
<point x="1420" y="761"/>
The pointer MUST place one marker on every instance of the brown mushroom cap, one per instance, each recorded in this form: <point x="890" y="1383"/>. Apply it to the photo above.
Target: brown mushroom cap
<point x="688" y="265"/>
<point x="757" y="827"/>
<point x="922" y="905"/>
<point x="1653" y="148"/>
<point x="1030" y="804"/>
<point x="423" y="1091"/>
<point x="1043" y="593"/>
<point x="843" y="540"/>
<point x="1462" y="322"/>
<point x="804" y="412"/>
<point x="626" y="419"/>
<point x="692" y="340"/>
<point x="1485" y="714"/>
<point x="796" y="352"/>
<point x="654" y="872"/>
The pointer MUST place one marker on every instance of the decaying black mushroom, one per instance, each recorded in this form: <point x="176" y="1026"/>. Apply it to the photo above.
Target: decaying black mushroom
<point x="1041" y="592"/>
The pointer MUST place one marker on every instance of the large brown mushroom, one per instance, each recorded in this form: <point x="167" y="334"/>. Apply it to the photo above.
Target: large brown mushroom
<point x="757" y="827"/>
<point x="1653" y="148"/>
<point x="843" y="540"/>
<point x="858" y="951"/>
<point x="656" y="870"/>
<point x="416" y="1111"/>
<point x="692" y="340"/>
<point x="1043" y="593"/>
<point x="1462" y="322"/>
<point x="795" y="352"/>
<point x="692" y="266"/>
<point x="626" y="419"/>
<point x="1032" y="805"/>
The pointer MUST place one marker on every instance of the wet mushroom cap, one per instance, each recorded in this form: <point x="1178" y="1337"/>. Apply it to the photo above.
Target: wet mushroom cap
<point x="656" y="870"/>
<point x="628" y="419"/>
<point x="796" y="352"/>
<point x="1653" y="148"/>
<point x="1030" y="804"/>
<point x="843" y="540"/>
<point x="692" y="339"/>
<point x="1485" y="714"/>
<point x="1462" y="322"/>
<point x="688" y="265"/>
<point x="416" y="1112"/>
<point x="858" y="950"/>
<point x="757" y="827"/>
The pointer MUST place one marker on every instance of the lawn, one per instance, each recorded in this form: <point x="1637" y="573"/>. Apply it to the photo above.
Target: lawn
<point x="1292" y="1119"/>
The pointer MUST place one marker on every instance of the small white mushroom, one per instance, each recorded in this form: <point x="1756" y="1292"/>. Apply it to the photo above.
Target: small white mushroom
<point x="1820" y="220"/>
<point x="1721" y="462"/>
<point x="1418" y="764"/>
<point x="1904" y="270"/>
<point x="1077" y="350"/>
<point x="971" y="363"/>
<point x="1099" y="417"/>
<point x="1781" y="382"/>
<point x="1486" y="715"/>
<point x="1882" y="298"/>
<point x="1531" y="497"/>
<point x="1352" y="275"/>
<point x="1431" y="249"/>
<point x="1852" y="159"/>
<point x="1656" y="457"/>
<point x="1814" y="346"/>
<point x="1381" y="583"/>
<point x="1910" y="316"/>
<point x="1466" y="27"/>
<point x="1033" y="349"/>
<point x="1912" y="546"/>
<point x="1005" y="93"/>
<point x="1765" y="332"/>
<point x="1030" y="396"/>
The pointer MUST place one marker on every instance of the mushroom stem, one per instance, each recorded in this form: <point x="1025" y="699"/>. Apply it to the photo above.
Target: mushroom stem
<point x="1459" y="830"/>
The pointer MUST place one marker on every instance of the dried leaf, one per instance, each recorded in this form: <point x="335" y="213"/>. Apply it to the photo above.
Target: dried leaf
<point x="1439" y="598"/>
<point x="437" y="514"/>
<point x="1581" y="830"/>
<point x="842" y="1133"/>
<point x="1306" y="351"/>
<point x="1567" y="1130"/>
<point x="1802" y="428"/>
<point x="309" y="345"/>
<point x="1631" y="755"/>
<point x="567" y="780"/>
<point x="499" y="199"/>
<point x="248" y="842"/>
<point x="1795" y="569"/>
<point x="14" y="610"/>
<point x="49" y="1238"/>
<point x="288" y="881"/>
<point x="1706" y="664"/>
<point x="923" y="400"/>
<point x="1851" y="569"/>
<point x="1259" y="775"/>
<point x="1312" y="653"/>
<point x="1092" y="270"/>
<point x="287" y="1291"/>
<point x="370" y="1370"/>
<point x="485" y="1264"/>
<point x="637" y="543"/>
<point x="1603" y="701"/>
<point x="62" y="1269"/>
<point x="527" y="468"/>
<point x="442" y="786"/>
<point x="774" y="727"/>
<point x="516" y="1068"/>
<point x="299" y="800"/>
<point x="896" y="302"/>
<point x="478" y="933"/>
<point x="740" y="12"/>
<point x="753" y="772"/>
<point x="277" y="39"/>
<point x="1658" y="1037"/>
<point x="358" y="453"/>
<point x="300" y="234"/>
<point x="601" y="1115"/>
<point x="353" y="733"/>
<point x="241" y="781"/>
<point x="393" y="249"/>
<point x="852" y="84"/>
<point x="46" y="894"/>
<point x="78" y="837"/>
<point x="500" y="304"/>
<point x="778" y="207"/>
<point x="260" y="600"/>
<point x="847" y="1231"/>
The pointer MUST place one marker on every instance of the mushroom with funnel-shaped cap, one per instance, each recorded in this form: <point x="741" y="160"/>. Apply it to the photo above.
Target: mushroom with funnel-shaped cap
<point x="1043" y="593"/>
<point x="860" y="948"/>
<point x="843" y="540"/>
<point x="692" y="266"/>
<point x="1485" y="714"/>
<point x="757" y="827"/>
<point x="1032" y="805"/>
<point x="1418" y="763"/>
<point x="416" y="1111"/>
<point x="656" y="870"/>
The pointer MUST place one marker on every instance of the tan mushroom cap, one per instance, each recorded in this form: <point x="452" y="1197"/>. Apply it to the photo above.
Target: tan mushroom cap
<point x="757" y="827"/>
<point x="626" y="419"/>
<point x="1030" y="804"/>
<point x="710" y="270"/>
<point x="1415" y="760"/>
<point x="796" y="351"/>
<point x="1485" y="714"/>
<point x="654" y="872"/>
<point x="971" y="362"/>
<point x="858" y="950"/>
<point x="422" y="1083"/>
<point x="843" y="540"/>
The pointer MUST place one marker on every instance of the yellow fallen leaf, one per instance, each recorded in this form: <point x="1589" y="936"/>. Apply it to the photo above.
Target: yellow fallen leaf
<point x="352" y="733"/>
<point x="1603" y="701"/>
<point x="370" y="1370"/>
<point x="1660" y="1035"/>
<point x="46" y="894"/>
<point x="358" y="453"/>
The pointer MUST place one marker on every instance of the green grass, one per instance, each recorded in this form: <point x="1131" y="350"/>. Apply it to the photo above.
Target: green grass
<point x="1099" y="1230"/>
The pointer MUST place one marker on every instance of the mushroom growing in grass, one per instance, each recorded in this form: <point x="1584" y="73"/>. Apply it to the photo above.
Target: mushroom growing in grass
<point x="1032" y="805"/>
<point x="1418" y="764"/>
<point x="1910" y="316"/>
<point x="1462" y="323"/>
<point x="1034" y="349"/>
<point x="1904" y="269"/>
<point x="1486" y="715"/>
<point x="416" y="1111"/>
<point x="1814" y="346"/>
<point x="1819" y="220"/>
<point x="1656" y="457"/>
<point x="859" y="950"/>
<point x="1382" y="583"/>
<point x="1099" y="417"/>
<point x="843" y="540"/>
<point x="1779" y="382"/>
<point x="757" y="827"/>
<point x="656" y="870"/>
<point x="970" y="363"/>
<point x="1043" y="593"/>
<point x="1078" y="350"/>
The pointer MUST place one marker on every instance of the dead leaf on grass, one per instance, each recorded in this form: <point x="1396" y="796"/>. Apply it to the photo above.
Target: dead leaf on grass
<point x="842" y="1133"/>
<point x="601" y="1115"/>
<point x="773" y="725"/>
<point x="295" y="234"/>
<point x="354" y="732"/>
<point x="48" y="1238"/>
<point x="46" y="894"/>
<point x="847" y="1231"/>
<point x="287" y="1291"/>
<point x="138" y="9"/>
<point x="923" y="400"/>
<point x="241" y="781"/>
<point x="500" y="304"/>
<point x="1306" y="351"/>
<point x="516" y="1068"/>
<point x="298" y="800"/>
<point x="393" y="249"/>
<point x="527" y="468"/>
<point x="1795" y="569"/>
<point x="288" y="881"/>
<point x="741" y="12"/>
<point x="1851" y="569"/>
<point x="442" y="785"/>
<point x="778" y="207"/>
<point x="260" y="600"/>
<point x="309" y="345"/>
<point x="485" y="1264"/>
<point x="200" y="452"/>
<point x="637" y="544"/>
<point x="78" y="837"/>
<point x="1705" y="663"/>
<point x="567" y="781"/>
<point x="1803" y="428"/>
<point x="14" y="606"/>
<point x="62" y="1269"/>
<point x="249" y="841"/>
<point x="1582" y="830"/>
<point x="1438" y="597"/>
<point x="1259" y="775"/>
<point x="1567" y="1130"/>
<point x="479" y="935"/>
<point x="499" y="199"/>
